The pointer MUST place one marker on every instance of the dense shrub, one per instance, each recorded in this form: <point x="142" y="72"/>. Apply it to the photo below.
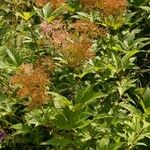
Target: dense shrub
<point x="74" y="75"/>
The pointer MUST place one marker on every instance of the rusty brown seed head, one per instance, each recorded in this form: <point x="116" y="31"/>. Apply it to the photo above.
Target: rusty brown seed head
<point x="31" y="83"/>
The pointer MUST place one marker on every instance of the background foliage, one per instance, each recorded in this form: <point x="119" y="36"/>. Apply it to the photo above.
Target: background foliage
<point x="74" y="75"/>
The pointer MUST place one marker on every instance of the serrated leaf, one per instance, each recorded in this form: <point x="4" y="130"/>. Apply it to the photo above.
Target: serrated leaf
<point x="128" y="55"/>
<point x="87" y="95"/>
<point x="11" y="56"/>
<point x="146" y="98"/>
<point x="39" y="12"/>
<point x="59" y="142"/>
<point x="47" y="10"/>
<point x="70" y="119"/>
<point x="131" y="108"/>
<point x="60" y="101"/>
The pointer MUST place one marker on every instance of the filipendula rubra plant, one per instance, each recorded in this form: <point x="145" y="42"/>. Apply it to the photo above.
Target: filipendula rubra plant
<point x="73" y="42"/>
<point x="111" y="11"/>
<point x="94" y="100"/>
<point x="32" y="82"/>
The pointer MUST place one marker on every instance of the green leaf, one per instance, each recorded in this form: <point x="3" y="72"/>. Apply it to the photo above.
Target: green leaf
<point x="115" y="146"/>
<point x="146" y="8"/>
<point x="102" y="116"/>
<point x="25" y="15"/>
<point x="39" y="12"/>
<point x="2" y="97"/>
<point x="102" y="144"/>
<point x="128" y="55"/>
<point x="21" y="128"/>
<point x="47" y="10"/>
<point x="6" y="66"/>
<point x="132" y="109"/>
<point x="83" y="15"/>
<point x="146" y="98"/>
<point x="125" y="84"/>
<point x="87" y="95"/>
<point x="56" y="13"/>
<point x="60" y="101"/>
<point x="70" y="119"/>
<point x="11" y="56"/>
<point x="57" y="141"/>
<point x="69" y="8"/>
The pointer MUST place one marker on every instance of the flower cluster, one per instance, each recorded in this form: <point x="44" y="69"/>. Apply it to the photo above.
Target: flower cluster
<point x="57" y="3"/>
<point x="73" y="42"/>
<point x="112" y="11"/>
<point x="41" y="3"/>
<point x="88" y="3"/>
<point x="56" y="31"/>
<point x="88" y="28"/>
<point x="54" y="3"/>
<point x="46" y="63"/>
<point x="32" y="84"/>
<point x="77" y="51"/>
<point x="112" y="7"/>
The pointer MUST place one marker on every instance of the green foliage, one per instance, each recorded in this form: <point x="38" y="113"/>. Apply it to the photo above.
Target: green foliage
<point x="101" y="104"/>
